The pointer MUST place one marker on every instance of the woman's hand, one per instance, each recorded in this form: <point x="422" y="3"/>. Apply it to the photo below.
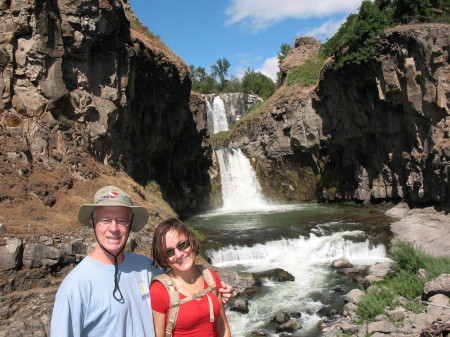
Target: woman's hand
<point x="226" y="291"/>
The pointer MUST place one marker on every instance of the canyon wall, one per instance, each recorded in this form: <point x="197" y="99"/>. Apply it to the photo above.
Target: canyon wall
<point x="77" y="83"/>
<point x="371" y="132"/>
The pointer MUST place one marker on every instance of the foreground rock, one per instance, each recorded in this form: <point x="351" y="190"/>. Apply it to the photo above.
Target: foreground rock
<point x="399" y="322"/>
<point x="428" y="227"/>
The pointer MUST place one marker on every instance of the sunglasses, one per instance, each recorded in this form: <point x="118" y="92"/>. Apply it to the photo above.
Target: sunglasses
<point x="183" y="245"/>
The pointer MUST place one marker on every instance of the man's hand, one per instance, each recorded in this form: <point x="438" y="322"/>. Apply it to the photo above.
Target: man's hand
<point x="226" y="291"/>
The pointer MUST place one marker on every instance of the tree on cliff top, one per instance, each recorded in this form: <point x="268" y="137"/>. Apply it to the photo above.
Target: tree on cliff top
<point x="353" y="43"/>
<point x="220" y="69"/>
<point x="255" y="82"/>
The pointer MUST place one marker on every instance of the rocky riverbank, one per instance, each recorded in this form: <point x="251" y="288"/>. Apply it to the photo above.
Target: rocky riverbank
<point x="429" y="229"/>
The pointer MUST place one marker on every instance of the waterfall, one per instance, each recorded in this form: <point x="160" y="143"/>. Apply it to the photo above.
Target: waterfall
<point x="216" y="111"/>
<point x="303" y="251"/>
<point x="240" y="187"/>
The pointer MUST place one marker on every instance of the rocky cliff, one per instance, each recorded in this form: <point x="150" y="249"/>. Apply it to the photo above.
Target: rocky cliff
<point x="80" y="88"/>
<point x="371" y="132"/>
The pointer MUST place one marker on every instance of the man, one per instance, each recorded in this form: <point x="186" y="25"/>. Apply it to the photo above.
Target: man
<point x="107" y="293"/>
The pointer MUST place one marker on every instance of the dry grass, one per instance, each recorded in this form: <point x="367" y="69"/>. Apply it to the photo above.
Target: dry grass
<point x="26" y="215"/>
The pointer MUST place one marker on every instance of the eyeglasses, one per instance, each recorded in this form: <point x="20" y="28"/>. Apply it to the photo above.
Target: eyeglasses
<point x="183" y="245"/>
<point x="106" y="222"/>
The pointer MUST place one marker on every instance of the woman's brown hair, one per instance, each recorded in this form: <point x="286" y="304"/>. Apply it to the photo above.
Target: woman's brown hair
<point x="159" y="240"/>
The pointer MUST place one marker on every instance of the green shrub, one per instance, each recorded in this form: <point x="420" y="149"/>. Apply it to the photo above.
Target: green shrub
<point x="374" y="301"/>
<point x="255" y="82"/>
<point x="308" y="73"/>
<point x="404" y="282"/>
<point x="407" y="257"/>
<point x="354" y="41"/>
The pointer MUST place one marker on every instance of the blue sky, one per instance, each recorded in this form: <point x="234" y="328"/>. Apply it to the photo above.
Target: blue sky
<point x="248" y="33"/>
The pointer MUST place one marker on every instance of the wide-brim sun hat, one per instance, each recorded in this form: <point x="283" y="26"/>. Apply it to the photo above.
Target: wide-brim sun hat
<point x="113" y="196"/>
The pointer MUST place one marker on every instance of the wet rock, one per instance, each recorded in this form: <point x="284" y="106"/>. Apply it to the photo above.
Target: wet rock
<point x="342" y="262"/>
<point x="240" y="305"/>
<point x="326" y="311"/>
<point x="281" y="318"/>
<point x="277" y="275"/>
<point x="257" y="333"/>
<point x="290" y="326"/>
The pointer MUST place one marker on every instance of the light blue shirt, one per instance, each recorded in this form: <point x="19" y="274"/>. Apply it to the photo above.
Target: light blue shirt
<point x="85" y="306"/>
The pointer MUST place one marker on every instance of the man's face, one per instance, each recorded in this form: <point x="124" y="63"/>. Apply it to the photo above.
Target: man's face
<point x="111" y="226"/>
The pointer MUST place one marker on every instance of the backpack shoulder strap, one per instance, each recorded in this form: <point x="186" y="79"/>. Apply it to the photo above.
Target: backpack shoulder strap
<point x="174" y="298"/>
<point x="209" y="278"/>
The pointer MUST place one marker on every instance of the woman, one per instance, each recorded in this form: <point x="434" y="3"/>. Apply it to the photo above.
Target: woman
<point x="175" y="247"/>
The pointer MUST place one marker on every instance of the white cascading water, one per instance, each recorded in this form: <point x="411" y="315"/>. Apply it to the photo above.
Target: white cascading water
<point x="308" y="260"/>
<point x="240" y="187"/>
<point x="216" y="111"/>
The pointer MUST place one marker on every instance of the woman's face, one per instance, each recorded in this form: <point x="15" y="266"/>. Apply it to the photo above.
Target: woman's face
<point x="182" y="260"/>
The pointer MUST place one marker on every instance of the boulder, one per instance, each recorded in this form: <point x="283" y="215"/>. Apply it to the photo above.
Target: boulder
<point x="438" y="304"/>
<point x="354" y="296"/>
<point x="240" y="305"/>
<point x="342" y="262"/>
<point x="290" y="326"/>
<point x="11" y="253"/>
<point x="439" y="285"/>
<point x="277" y="275"/>
<point x="36" y="255"/>
<point x="382" y="327"/>
<point x="380" y="269"/>
<point x="281" y="318"/>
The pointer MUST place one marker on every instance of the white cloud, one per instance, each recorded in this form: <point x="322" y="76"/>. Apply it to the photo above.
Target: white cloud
<point x="260" y="14"/>
<point x="324" y="31"/>
<point x="270" y="68"/>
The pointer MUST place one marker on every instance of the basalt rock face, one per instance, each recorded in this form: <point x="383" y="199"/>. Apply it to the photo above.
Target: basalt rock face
<point x="388" y="124"/>
<point x="76" y="82"/>
<point x="372" y="132"/>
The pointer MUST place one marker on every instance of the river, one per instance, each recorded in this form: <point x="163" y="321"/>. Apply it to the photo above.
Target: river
<point x="302" y="239"/>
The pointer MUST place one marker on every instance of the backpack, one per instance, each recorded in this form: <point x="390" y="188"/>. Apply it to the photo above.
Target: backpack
<point x="174" y="296"/>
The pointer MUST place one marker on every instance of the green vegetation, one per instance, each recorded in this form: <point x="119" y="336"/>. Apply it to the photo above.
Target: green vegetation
<point x="405" y="282"/>
<point x="254" y="113"/>
<point x="200" y="236"/>
<point x="284" y="50"/>
<point x="220" y="135"/>
<point x="308" y="73"/>
<point x="257" y="83"/>
<point x="353" y="43"/>
<point x="253" y="82"/>
<point x="220" y="69"/>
